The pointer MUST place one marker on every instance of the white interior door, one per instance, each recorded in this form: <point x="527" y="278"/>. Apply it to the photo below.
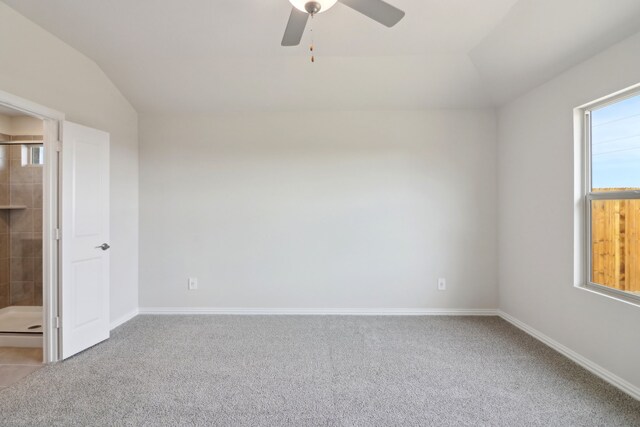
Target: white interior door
<point x="84" y="238"/>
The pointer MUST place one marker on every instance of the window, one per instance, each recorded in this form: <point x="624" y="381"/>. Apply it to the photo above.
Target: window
<point x="33" y="155"/>
<point x="612" y="200"/>
<point x="36" y="155"/>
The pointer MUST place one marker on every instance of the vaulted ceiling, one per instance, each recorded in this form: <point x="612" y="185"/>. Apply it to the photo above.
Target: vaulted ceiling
<point x="196" y="56"/>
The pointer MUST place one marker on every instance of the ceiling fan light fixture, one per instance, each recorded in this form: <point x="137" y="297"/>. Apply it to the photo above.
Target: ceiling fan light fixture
<point x="378" y="10"/>
<point x="306" y="5"/>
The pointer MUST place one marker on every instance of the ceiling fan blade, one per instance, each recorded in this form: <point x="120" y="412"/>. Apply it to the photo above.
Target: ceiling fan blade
<point x="377" y="10"/>
<point x="295" y="28"/>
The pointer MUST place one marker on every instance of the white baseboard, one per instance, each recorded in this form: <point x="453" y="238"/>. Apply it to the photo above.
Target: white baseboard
<point x="321" y="311"/>
<point x="590" y="366"/>
<point x="124" y="319"/>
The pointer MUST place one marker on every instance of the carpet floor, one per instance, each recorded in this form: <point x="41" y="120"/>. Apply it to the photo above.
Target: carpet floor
<point x="316" y="371"/>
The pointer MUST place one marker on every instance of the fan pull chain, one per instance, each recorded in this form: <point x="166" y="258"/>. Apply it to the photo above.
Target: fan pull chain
<point x="313" y="58"/>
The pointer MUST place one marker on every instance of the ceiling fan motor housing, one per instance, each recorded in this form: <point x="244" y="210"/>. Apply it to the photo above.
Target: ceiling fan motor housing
<point x="312" y="7"/>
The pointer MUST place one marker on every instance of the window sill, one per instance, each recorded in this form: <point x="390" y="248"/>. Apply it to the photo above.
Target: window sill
<point x="611" y="293"/>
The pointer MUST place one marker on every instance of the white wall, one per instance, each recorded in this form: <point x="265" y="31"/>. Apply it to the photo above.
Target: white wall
<point x="20" y="125"/>
<point x="319" y="210"/>
<point x="536" y="193"/>
<point x="26" y="125"/>
<point x="5" y="124"/>
<point x="41" y="68"/>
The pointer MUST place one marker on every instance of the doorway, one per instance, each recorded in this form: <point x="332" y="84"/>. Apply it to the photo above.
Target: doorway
<point x="28" y="217"/>
<point x="74" y="164"/>
<point x="21" y="273"/>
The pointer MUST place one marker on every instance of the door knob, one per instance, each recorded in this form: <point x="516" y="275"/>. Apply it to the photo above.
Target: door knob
<point x="103" y="246"/>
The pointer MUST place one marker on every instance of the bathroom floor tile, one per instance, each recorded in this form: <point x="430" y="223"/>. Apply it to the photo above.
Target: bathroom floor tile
<point x="20" y="356"/>
<point x="11" y="374"/>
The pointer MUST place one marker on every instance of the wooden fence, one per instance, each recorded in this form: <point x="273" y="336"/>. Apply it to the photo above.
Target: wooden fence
<point x="616" y="243"/>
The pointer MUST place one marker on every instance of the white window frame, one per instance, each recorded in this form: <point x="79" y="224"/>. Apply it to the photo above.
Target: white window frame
<point x="583" y="127"/>
<point x="32" y="148"/>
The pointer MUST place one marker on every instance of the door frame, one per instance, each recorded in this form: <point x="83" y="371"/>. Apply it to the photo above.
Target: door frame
<point x="52" y="127"/>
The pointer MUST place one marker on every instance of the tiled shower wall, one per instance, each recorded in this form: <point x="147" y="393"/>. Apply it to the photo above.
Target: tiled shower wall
<point x="20" y="230"/>
<point x="5" y="287"/>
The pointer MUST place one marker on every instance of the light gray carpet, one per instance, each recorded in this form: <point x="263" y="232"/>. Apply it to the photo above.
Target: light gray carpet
<point x="317" y="371"/>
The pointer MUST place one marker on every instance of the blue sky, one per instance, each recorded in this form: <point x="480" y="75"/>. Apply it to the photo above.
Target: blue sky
<point x="615" y="148"/>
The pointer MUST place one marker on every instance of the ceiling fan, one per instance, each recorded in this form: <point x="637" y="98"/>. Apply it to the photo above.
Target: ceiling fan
<point x="377" y="10"/>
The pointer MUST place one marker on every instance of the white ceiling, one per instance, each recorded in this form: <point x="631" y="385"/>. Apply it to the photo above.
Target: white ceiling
<point x="539" y="39"/>
<point x="221" y="55"/>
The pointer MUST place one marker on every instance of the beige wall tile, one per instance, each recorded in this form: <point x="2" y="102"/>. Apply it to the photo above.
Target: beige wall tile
<point x="4" y="246"/>
<point x="37" y="220"/>
<point x="20" y="230"/>
<point x="21" y="220"/>
<point x="4" y="170"/>
<point x="4" y="294"/>
<point x="37" y="247"/>
<point x="37" y="196"/>
<point x="15" y="152"/>
<point x="21" y="270"/>
<point x="37" y="270"/>
<point x="21" y="194"/>
<point x="4" y="221"/>
<point x="22" y="293"/>
<point x="4" y="194"/>
<point x="22" y="245"/>
<point x="37" y="175"/>
<point x="20" y="174"/>
<point x="37" y="293"/>
<point x="4" y="271"/>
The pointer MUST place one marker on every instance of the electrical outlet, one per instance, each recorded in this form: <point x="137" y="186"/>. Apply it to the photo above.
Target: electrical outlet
<point x="193" y="283"/>
<point x="442" y="284"/>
